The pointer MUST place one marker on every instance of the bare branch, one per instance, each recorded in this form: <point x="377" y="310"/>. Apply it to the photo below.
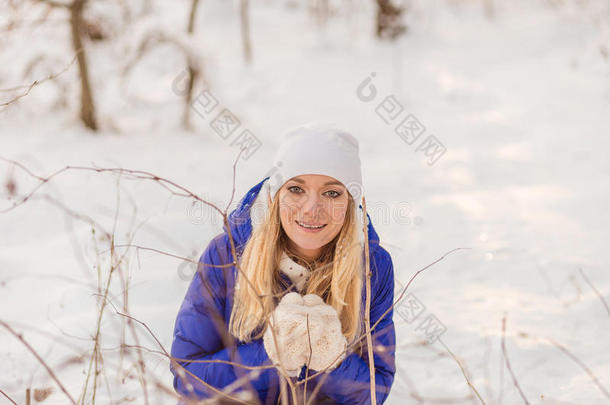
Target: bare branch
<point x="363" y="336"/>
<point x="601" y="298"/>
<point x="29" y="87"/>
<point x="7" y="397"/>
<point x="40" y="360"/>
<point x="459" y="363"/>
<point x="510" y="370"/>
<point x="56" y="4"/>
<point x="367" y="310"/>
<point x="574" y="358"/>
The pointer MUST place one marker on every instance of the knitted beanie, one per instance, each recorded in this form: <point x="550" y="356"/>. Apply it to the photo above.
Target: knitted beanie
<point x="317" y="148"/>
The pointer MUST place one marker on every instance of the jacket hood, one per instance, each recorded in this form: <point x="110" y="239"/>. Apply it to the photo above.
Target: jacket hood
<point x="251" y="211"/>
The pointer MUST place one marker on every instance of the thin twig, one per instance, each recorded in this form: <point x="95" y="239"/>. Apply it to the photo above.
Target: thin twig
<point x="386" y="312"/>
<point x="582" y="365"/>
<point x="172" y="359"/>
<point x="40" y="360"/>
<point x="367" y="310"/>
<point x="116" y="260"/>
<point x="7" y="397"/>
<point x="601" y="298"/>
<point x="56" y="4"/>
<point x="459" y="363"/>
<point x="308" y="361"/>
<point x="35" y="83"/>
<point x="510" y="370"/>
<point x="574" y="358"/>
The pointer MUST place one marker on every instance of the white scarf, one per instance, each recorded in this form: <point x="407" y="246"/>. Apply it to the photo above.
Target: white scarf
<point x="298" y="274"/>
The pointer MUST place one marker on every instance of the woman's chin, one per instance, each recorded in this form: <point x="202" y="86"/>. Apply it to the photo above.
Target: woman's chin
<point x="308" y="242"/>
<point x="309" y="246"/>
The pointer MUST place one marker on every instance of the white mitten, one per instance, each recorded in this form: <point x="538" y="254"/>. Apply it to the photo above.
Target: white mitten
<point x="288" y="320"/>
<point x="327" y="341"/>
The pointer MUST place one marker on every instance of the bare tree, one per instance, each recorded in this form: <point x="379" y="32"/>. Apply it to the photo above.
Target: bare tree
<point x="155" y="38"/>
<point x="321" y="11"/>
<point x="245" y="31"/>
<point x="389" y="23"/>
<point x="87" y="105"/>
<point x="87" y="111"/>
<point x="193" y="71"/>
<point x="191" y="25"/>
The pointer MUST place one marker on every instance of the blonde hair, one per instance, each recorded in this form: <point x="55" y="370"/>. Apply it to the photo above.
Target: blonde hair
<point x="336" y="276"/>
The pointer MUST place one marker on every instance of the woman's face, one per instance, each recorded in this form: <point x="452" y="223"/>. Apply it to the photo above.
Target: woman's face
<point x="314" y="200"/>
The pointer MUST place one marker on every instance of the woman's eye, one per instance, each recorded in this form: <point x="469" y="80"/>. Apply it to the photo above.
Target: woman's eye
<point x="335" y="195"/>
<point x="299" y="190"/>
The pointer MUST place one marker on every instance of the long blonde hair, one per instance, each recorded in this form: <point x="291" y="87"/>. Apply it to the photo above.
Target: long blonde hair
<point x="336" y="276"/>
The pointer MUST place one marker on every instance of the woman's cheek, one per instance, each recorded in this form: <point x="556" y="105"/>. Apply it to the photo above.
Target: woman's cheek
<point x="338" y="213"/>
<point x="285" y="215"/>
<point x="290" y="206"/>
<point x="339" y="221"/>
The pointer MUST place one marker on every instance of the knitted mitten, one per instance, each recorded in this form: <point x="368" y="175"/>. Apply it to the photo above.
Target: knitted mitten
<point x="297" y="321"/>
<point x="328" y="343"/>
<point x="289" y="323"/>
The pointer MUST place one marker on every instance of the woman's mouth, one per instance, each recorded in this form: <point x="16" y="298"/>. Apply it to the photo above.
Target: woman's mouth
<point x="310" y="227"/>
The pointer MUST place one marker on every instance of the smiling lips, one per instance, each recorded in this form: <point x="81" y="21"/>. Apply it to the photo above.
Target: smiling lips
<point x="310" y="227"/>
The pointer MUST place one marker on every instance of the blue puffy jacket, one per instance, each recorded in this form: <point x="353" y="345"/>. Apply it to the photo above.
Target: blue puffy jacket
<point x="201" y="327"/>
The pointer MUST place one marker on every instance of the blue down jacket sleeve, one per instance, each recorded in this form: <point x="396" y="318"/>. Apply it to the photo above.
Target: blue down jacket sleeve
<point x="349" y="383"/>
<point x="200" y="334"/>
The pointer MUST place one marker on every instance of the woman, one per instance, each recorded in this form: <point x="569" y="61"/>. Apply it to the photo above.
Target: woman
<point x="296" y="304"/>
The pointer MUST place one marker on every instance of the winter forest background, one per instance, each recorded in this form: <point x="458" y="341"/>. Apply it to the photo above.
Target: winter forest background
<point x="483" y="124"/>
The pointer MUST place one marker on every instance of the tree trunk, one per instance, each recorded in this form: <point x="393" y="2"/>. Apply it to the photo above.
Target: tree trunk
<point x="192" y="14"/>
<point x="188" y="98"/>
<point x="389" y="24"/>
<point x="322" y="11"/>
<point x="193" y="72"/>
<point x="245" y="31"/>
<point x="87" y="110"/>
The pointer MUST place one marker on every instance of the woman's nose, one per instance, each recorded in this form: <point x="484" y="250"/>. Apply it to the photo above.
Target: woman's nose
<point x="312" y="206"/>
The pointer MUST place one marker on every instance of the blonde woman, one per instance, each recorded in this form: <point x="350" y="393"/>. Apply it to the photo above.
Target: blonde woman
<point x="296" y="305"/>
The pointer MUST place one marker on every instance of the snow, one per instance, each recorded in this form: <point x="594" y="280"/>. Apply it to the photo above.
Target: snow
<point x="520" y="101"/>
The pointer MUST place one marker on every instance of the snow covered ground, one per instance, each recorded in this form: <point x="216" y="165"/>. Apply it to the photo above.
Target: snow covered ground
<point x="520" y="101"/>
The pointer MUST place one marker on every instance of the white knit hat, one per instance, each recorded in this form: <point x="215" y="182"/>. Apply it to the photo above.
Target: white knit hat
<point x="318" y="148"/>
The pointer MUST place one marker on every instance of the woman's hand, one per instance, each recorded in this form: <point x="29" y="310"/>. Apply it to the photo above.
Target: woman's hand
<point x="297" y="321"/>
<point x="289" y="324"/>
<point x="328" y="343"/>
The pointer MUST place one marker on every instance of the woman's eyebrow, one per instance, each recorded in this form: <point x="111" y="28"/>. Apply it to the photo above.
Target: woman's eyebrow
<point x="328" y="183"/>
